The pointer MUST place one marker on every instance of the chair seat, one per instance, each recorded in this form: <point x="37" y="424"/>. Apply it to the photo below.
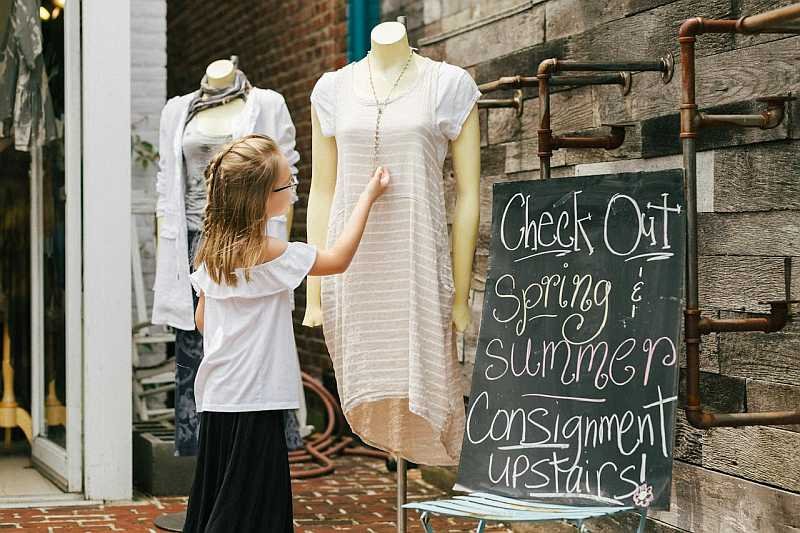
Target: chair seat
<point x="495" y="508"/>
<point x="486" y="507"/>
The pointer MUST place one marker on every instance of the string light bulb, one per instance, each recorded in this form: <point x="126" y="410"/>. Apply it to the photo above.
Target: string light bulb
<point x="44" y="14"/>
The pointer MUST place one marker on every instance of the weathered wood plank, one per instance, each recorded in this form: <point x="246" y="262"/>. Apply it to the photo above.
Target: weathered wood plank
<point x="733" y="76"/>
<point x="499" y="38"/>
<point x="688" y="440"/>
<point x="758" y="178"/>
<point x="660" y="135"/>
<point x="757" y="453"/>
<point x="769" y="233"/>
<point x="712" y="502"/>
<point x="721" y="394"/>
<point x="633" y="7"/>
<point x="570" y="111"/>
<point x="569" y="17"/>
<point x="523" y="62"/>
<point x="764" y="396"/>
<point x="771" y="357"/>
<point x="523" y="156"/>
<point x="754" y="279"/>
<point x="649" y="35"/>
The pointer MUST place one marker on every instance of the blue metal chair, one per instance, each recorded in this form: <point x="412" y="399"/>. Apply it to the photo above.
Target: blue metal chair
<point x="485" y="508"/>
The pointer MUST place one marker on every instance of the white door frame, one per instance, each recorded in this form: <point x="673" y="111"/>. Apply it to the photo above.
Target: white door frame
<point x="107" y="321"/>
<point x="65" y="466"/>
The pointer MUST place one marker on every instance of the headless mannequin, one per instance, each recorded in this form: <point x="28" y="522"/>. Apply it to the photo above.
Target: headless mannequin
<point x="389" y="52"/>
<point x="221" y="120"/>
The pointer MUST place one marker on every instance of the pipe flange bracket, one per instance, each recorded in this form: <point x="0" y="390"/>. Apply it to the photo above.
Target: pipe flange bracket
<point x="668" y="61"/>
<point x="519" y="103"/>
<point x="626" y="83"/>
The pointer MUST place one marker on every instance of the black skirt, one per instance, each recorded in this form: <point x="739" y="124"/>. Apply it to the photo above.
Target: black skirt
<point x="242" y="481"/>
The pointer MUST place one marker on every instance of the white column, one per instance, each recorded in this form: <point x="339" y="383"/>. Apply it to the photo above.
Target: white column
<point x="106" y="248"/>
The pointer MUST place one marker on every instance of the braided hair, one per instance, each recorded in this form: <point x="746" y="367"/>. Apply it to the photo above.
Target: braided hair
<point x="239" y="179"/>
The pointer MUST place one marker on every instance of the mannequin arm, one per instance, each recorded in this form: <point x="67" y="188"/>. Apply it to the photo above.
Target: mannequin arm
<point x="320" y="197"/>
<point x="466" y="152"/>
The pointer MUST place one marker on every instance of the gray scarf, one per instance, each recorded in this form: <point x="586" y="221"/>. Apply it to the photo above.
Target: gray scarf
<point x="216" y="96"/>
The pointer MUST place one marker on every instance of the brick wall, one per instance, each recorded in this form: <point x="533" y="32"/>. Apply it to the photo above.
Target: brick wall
<point x="726" y="479"/>
<point x="284" y="46"/>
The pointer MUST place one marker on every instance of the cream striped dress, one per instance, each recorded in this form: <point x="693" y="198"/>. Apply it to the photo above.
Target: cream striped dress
<point x="387" y="320"/>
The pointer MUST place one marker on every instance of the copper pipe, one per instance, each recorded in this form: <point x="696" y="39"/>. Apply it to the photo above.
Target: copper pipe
<point x="508" y="82"/>
<point x="516" y="102"/>
<point x="610" y="142"/>
<point x="322" y="447"/>
<point x="691" y="123"/>
<point x="517" y="82"/>
<point x="768" y="119"/>
<point x="545" y="75"/>
<point x="769" y="20"/>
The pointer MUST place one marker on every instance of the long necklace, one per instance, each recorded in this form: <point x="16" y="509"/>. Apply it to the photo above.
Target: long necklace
<point x="382" y="105"/>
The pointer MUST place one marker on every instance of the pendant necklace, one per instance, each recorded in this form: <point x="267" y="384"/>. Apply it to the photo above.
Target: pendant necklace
<point x="381" y="106"/>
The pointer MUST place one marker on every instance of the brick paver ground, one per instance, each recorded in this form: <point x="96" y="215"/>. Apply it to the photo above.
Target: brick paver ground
<point x="358" y="497"/>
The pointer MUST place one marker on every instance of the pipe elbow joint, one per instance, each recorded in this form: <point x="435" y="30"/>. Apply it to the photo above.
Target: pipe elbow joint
<point x="547" y="67"/>
<point x="699" y="418"/>
<point x="772" y="117"/>
<point x="691" y="27"/>
<point x="615" y="138"/>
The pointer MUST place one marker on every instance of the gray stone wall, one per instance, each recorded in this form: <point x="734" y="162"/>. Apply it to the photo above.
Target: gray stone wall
<point x="726" y="479"/>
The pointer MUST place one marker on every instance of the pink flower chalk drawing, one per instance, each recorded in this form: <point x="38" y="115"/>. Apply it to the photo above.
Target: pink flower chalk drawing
<point x="643" y="496"/>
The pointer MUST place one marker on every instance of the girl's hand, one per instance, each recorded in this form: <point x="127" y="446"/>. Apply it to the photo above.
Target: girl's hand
<point x="378" y="184"/>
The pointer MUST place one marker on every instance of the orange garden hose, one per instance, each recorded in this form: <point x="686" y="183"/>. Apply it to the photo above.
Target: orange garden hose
<point x="321" y="448"/>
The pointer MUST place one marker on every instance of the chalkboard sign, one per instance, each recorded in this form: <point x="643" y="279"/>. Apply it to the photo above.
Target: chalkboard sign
<point x="576" y="371"/>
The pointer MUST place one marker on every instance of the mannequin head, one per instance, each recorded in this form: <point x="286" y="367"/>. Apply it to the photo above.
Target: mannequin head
<point x="387" y="33"/>
<point x="221" y="73"/>
<point x="241" y="181"/>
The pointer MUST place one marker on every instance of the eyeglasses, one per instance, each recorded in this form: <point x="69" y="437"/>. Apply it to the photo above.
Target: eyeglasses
<point x="292" y="183"/>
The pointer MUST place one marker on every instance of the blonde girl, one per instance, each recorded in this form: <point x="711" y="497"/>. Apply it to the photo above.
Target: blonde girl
<point x="249" y="370"/>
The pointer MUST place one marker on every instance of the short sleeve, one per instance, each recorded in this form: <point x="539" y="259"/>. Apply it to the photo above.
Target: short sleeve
<point x="456" y="95"/>
<point x="294" y="264"/>
<point x="323" y="98"/>
<point x="285" y="272"/>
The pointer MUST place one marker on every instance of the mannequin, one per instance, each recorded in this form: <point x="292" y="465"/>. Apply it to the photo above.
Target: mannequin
<point x="428" y="93"/>
<point x="390" y="49"/>
<point x="193" y="127"/>
<point x="388" y="320"/>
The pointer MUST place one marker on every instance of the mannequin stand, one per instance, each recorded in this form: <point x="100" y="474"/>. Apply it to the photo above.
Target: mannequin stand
<point x="402" y="490"/>
<point x="11" y="414"/>
<point x="56" y="413"/>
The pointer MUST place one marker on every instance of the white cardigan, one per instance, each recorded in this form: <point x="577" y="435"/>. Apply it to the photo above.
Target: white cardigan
<point x="265" y="112"/>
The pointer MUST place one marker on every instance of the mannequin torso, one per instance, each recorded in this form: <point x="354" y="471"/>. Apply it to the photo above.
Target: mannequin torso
<point x="388" y="55"/>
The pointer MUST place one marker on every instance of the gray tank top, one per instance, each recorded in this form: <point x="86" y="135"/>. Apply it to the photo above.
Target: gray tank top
<point x="198" y="149"/>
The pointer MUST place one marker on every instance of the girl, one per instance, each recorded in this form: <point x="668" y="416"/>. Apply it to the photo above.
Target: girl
<point x="249" y="368"/>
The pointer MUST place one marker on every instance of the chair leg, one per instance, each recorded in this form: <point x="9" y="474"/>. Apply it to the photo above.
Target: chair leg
<point x="642" y="521"/>
<point x="425" y="519"/>
<point x="581" y="525"/>
<point x="481" y="526"/>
